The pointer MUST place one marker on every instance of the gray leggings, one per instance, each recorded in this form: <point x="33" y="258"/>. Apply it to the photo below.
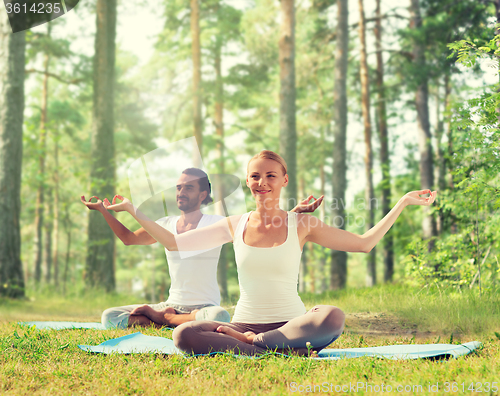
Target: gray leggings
<point x="320" y="326"/>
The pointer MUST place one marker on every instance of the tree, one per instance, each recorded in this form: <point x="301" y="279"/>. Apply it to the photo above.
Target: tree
<point x="12" y="47"/>
<point x="288" y="128"/>
<point x="423" y="123"/>
<point x="196" y="56"/>
<point x="39" y="216"/>
<point x="387" y="242"/>
<point x="371" y="276"/>
<point x="338" y="269"/>
<point x="101" y="241"/>
<point x="219" y="129"/>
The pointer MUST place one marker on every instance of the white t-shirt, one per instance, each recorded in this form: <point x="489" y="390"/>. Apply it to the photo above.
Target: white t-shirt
<point x="194" y="278"/>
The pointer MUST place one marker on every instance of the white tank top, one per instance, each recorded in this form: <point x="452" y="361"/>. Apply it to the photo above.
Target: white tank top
<point x="268" y="277"/>
<point x="193" y="278"/>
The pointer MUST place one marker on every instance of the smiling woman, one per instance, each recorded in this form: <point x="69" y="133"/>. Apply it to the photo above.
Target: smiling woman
<point x="268" y="244"/>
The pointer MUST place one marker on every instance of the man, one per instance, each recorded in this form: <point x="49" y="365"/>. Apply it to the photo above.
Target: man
<point x="194" y="292"/>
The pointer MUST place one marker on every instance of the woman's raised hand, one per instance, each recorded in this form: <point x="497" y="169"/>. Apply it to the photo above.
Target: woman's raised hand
<point x="306" y="207"/>
<point x="124" y="206"/>
<point x="414" y="198"/>
<point x="92" y="205"/>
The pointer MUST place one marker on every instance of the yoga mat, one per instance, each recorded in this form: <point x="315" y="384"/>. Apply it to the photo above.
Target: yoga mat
<point x="139" y="343"/>
<point x="134" y="343"/>
<point x="403" y="352"/>
<point x="71" y="325"/>
<point x="64" y="325"/>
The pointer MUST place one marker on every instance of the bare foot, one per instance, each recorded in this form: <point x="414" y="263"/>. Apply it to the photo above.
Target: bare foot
<point x="245" y="337"/>
<point x="158" y="317"/>
<point x="169" y="310"/>
<point x="172" y="318"/>
<point x="148" y="312"/>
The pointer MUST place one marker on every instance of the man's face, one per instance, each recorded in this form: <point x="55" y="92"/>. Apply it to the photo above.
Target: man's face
<point x="188" y="193"/>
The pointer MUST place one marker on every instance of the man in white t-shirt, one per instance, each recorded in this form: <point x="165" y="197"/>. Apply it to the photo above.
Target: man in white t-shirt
<point x="194" y="292"/>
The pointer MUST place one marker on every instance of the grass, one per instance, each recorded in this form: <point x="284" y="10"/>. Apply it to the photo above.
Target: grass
<point x="49" y="362"/>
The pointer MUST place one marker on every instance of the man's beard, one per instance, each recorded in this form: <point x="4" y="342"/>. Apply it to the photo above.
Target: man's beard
<point x="186" y="204"/>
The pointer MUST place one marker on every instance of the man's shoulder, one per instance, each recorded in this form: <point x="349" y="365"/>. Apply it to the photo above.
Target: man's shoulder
<point x="166" y="220"/>
<point x="210" y="219"/>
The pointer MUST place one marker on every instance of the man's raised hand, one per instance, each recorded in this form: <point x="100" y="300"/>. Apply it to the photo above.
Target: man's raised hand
<point x="93" y="205"/>
<point x="124" y="206"/>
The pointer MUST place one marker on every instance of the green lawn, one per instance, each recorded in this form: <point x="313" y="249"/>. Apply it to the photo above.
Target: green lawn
<point x="49" y="362"/>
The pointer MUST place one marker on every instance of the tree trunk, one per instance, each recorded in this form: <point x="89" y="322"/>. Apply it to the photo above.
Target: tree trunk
<point x="322" y="213"/>
<point x="196" y="55"/>
<point x="66" y="261"/>
<point x="219" y="129"/>
<point x="387" y="241"/>
<point x="48" y="239"/>
<point x="288" y="130"/>
<point x="423" y="125"/>
<point x="12" y="61"/>
<point x="101" y="241"/>
<point x="303" y="269"/>
<point x="440" y="170"/>
<point x="371" y="275"/>
<point x="56" y="208"/>
<point x="338" y="269"/>
<point x="449" y="162"/>
<point x="40" y="205"/>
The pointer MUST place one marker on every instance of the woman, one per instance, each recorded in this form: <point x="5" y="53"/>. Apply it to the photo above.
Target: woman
<point x="268" y="244"/>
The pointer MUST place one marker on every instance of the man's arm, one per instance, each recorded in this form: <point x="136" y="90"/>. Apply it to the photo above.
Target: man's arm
<point x="209" y="237"/>
<point x="139" y="237"/>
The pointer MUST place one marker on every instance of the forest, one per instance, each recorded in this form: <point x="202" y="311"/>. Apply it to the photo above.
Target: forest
<point x="365" y="100"/>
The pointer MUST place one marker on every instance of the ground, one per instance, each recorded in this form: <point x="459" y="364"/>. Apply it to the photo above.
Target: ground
<point x="379" y="324"/>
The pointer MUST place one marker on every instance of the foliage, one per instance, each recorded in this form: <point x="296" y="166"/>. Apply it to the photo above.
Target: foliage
<point x="466" y="254"/>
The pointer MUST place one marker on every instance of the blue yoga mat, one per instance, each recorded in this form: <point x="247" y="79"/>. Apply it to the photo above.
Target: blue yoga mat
<point x="70" y="325"/>
<point x="396" y="352"/>
<point x="134" y="343"/>
<point x="140" y="343"/>
<point x="64" y="325"/>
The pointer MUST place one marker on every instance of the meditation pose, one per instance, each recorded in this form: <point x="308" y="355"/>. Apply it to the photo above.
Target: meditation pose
<point x="268" y="244"/>
<point x="194" y="292"/>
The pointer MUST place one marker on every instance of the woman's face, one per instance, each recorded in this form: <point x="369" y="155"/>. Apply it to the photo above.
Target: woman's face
<point x="265" y="179"/>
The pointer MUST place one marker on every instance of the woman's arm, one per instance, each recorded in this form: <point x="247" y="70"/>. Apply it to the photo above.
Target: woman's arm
<point x="204" y="238"/>
<point x="139" y="237"/>
<point x="337" y="239"/>
<point x="306" y="207"/>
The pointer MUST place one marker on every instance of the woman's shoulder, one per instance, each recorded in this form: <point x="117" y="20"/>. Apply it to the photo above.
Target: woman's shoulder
<point x="306" y="221"/>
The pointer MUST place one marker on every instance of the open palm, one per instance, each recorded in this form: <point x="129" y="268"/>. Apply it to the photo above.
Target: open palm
<point x="92" y="205"/>
<point x="414" y="197"/>
<point x="123" y="206"/>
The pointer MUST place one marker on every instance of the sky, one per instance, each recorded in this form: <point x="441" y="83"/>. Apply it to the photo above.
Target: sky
<point x="139" y="23"/>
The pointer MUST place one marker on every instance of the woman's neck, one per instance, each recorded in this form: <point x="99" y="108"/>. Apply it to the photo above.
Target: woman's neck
<point x="267" y="210"/>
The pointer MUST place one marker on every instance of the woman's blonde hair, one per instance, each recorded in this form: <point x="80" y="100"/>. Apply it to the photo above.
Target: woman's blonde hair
<point x="268" y="154"/>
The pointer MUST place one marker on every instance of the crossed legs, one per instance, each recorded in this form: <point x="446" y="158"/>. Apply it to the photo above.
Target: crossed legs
<point x="159" y="315"/>
<point x="319" y="326"/>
